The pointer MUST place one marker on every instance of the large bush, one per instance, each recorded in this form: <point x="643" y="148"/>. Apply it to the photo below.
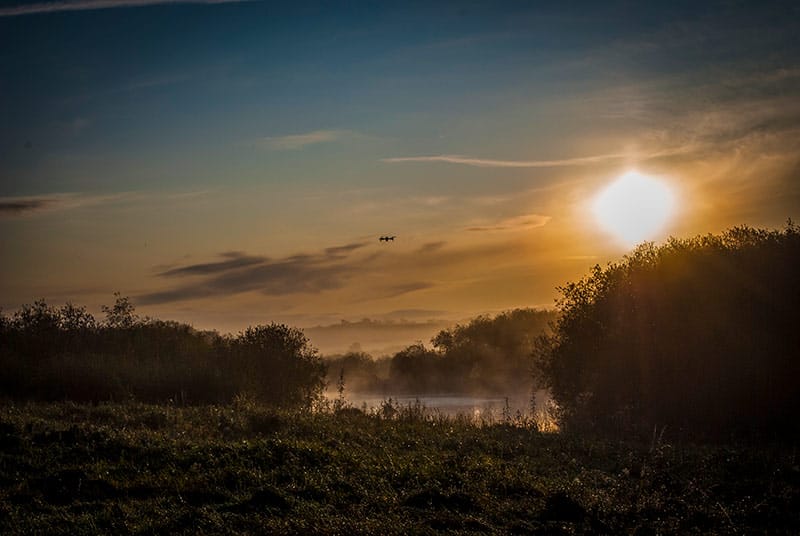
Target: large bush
<point x="697" y="335"/>
<point x="277" y="365"/>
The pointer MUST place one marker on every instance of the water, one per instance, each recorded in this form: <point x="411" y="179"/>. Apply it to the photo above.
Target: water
<point x="446" y="404"/>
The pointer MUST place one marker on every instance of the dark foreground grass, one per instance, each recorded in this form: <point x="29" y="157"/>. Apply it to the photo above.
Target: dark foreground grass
<point x="120" y="469"/>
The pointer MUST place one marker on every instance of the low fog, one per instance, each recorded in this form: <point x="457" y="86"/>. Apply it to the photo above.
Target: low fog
<point x="487" y="360"/>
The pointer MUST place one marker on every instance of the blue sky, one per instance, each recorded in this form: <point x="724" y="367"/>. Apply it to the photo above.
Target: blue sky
<point x="140" y="138"/>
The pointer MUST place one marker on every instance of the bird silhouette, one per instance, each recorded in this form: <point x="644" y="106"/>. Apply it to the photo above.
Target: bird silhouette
<point x="386" y="238"/>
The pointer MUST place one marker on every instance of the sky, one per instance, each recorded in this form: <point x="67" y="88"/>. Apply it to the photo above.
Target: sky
<point x="229" y="163"/>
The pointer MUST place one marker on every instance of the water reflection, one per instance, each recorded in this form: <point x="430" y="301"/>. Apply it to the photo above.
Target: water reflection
<point x="447" y="405"/>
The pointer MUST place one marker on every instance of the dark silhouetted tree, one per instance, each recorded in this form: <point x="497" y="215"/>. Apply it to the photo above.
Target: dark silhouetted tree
<point x="492" y="354"/>
<point x="120" y="315"/>
<point x="699" y="335"/>
<point x="415" y="369"/>
<point x="49" y="353"/>
<point x="278" y="364"/>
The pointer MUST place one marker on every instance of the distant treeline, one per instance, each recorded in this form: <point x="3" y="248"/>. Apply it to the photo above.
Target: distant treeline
<point x="64" y="353"/>
<point x="49" y="353"/>
<point x="489" y="355"/>
<point x="699" y="336"/>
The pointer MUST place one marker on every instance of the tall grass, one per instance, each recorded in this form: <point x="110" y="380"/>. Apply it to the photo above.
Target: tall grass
<point x="246" y="468"/>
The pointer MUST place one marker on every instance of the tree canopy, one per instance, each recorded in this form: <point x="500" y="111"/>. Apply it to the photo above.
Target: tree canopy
<point x="699" y="335"/>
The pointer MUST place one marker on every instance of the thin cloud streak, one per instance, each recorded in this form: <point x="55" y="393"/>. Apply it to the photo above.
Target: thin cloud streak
<point x="20" y="206"/>
<point x="490" y="162"/>
<point x="406" y="288"/>
<point x="293" y="142"/>
<point x="24" y="205"/>
<point x="352" y="276"/>
<point x="235" y="260"/>
<point x="529" y="221"/>
<point x="89" y="5"/>
<point x="238" y="273"/>
<point x="370" y="275"/>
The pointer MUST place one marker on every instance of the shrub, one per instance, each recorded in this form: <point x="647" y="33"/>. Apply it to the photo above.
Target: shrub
<point x="278" y="365"/>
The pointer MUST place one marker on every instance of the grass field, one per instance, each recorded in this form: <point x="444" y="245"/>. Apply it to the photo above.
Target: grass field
<point x="142" y="469"/>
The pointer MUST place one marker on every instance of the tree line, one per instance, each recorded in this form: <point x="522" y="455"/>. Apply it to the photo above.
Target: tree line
<point x="50" y="353"/>
<point x="489" y="355"/>
<point x="65" y="353"/>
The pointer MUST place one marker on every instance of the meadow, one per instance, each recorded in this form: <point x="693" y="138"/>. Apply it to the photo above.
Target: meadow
<point x="135" y="468"/>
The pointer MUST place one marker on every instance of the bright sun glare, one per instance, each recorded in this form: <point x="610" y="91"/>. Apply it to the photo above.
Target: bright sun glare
<point x="634" y="207"/>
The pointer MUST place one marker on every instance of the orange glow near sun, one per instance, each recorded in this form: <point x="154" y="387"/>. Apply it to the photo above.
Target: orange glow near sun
<point x="634" y="208"/>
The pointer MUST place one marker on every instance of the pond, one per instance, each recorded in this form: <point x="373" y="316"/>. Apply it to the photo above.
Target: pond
<point x="451" y="405"/>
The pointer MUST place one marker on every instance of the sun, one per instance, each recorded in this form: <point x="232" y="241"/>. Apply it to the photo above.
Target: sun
<point x="634" y="207"/>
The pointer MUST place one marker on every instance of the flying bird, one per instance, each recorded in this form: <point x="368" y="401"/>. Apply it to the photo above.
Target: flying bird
<point x="386" y="238"/>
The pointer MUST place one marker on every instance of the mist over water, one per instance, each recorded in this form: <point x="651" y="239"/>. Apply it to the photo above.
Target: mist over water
<point x="448" y="405"/>
<point x="480" y="369"/>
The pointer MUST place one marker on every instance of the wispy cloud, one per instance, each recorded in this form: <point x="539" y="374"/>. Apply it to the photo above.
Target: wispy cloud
<point x="367" y="274"/>
<point x="490" y="162"/>
<point x="298" y="141"/>
<point x="495" y="163"/>
<point x="355" y="273"/>
<point x="430" y="247"/>
<point x="405" y="288"/>
<point x="87" y="5"/>
<point x="24" y="205"/>
<point x="234" y="260"/>
<point x="18" y="206"/>
<point x="238" y="273"/>
<point x="528" y="221"/>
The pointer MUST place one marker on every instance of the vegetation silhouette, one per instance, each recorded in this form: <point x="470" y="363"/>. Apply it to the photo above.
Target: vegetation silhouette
<point x="486" y="356"/>
<point x="49" y="353"/>
<point x="697" y="335"/>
